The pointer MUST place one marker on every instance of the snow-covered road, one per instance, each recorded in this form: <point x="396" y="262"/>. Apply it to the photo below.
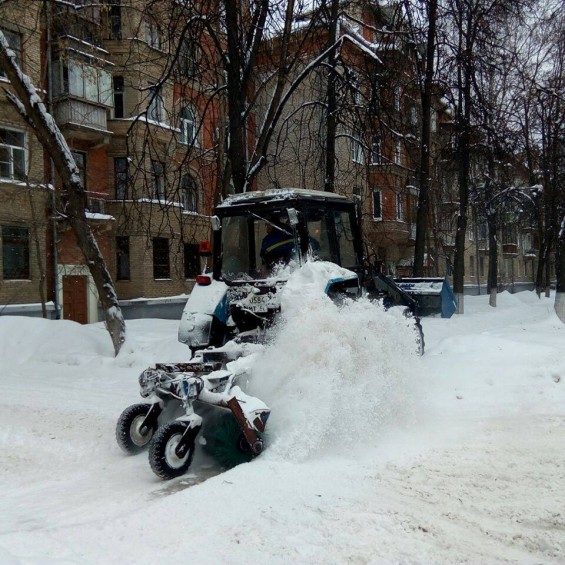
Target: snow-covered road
<point x="458" y="458"/>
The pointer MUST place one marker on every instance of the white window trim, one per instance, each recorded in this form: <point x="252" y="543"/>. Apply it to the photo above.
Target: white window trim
<point x="356" y="150"/>
<point x="380" y="193"/>
<point x="399" y="207"/>
<point x="398" y="152"/>
<point x="184" y="139"/>
<point x="11" y="148"/>
<point x="379" y="153"/>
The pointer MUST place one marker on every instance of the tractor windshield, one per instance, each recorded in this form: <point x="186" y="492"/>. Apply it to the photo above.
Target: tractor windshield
<point x="257" y="247"/>
<point x="264" y="244"/>
<point x="331" y="236"/>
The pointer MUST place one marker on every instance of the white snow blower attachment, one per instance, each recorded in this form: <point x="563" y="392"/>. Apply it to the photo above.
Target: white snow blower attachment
<point x="172" y="442"/>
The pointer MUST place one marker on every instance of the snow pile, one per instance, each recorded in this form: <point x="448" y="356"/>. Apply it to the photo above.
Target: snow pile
<point x="333" y="376"/>
<point x="478" y="480"/>
<point x="64" y="342"/>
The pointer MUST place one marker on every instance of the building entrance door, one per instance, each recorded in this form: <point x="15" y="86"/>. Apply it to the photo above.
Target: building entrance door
<point x="75" y="303"/>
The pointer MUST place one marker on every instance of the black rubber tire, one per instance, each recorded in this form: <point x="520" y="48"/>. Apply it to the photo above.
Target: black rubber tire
<point x="164" y="462"/>
<point x="128" y="435"/>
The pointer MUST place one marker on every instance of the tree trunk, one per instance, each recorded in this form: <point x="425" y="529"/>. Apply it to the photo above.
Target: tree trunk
<point x="32" y="109"/>
<point x="560" y="286"/>
<point x="424" y="173"/>
<point x="331" y="114"/>
<point x="492" y="283"/>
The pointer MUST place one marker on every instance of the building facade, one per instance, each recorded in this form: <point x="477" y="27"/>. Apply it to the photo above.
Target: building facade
<point x="136" y="99"/>
<point x="142" y="145"/>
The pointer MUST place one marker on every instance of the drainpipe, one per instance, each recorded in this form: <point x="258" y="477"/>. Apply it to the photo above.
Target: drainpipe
<point x="51" y="167"/>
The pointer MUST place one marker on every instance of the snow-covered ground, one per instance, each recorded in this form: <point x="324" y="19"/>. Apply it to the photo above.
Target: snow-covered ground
<point x="375" y="455"/>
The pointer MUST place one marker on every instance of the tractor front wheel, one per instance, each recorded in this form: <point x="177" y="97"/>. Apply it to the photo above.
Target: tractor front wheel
<point x="170" y="455"/>
<point x="132" y="434"/>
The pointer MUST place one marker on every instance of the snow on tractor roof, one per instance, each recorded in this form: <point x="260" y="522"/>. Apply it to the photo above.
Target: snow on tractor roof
<point x="275" y="194"/>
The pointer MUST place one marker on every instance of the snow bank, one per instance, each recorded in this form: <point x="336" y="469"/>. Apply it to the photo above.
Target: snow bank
<point x="61" y="341"/>
<point x="333" y="376"/>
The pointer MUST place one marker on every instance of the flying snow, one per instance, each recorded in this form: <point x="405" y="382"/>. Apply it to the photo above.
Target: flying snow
<point x="332" y="374"/>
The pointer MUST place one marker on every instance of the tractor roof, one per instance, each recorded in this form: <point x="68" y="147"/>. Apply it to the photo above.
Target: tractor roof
<point x="276" y="195"/>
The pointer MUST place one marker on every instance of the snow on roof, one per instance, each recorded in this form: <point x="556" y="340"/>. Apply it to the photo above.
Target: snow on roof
<point x="97" y="216"/>
<point x="274" y="194"/>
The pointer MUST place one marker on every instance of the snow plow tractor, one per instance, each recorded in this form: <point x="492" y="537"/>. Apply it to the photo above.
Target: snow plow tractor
<point x="259" y="239"/>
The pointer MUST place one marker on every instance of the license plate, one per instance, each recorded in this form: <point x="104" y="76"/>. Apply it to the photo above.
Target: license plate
<point x="257" y="303"/>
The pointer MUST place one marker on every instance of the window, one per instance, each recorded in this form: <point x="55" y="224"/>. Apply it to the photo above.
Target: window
<point x="472" y="266"/>
<point x="399" y="207"/>
<point x="157" y="170"/>
<point x="191" y="260"/>
<point x="482" y="230"/>
<point x="355" y="87"/>
<point x="187" y="126"/>
<point x="189" y="58"/>
<point x="15" y="253"/>
<point x="413" y="116"/>
<point x="356" y="150"/>
<point x="189" y="194"/>
<point x="122" y="258"/>
<point x="15" y="42"/>
<point x="152" y="35"/>
<point x="377" y="205"/>
<point x="398" y="152"/>
<point x="74" y="75"/>
<point x="118" y="97"/>
<point x="115" y="17"/>
<point x="155" y="108"/>
<point x="121" y="177"/>
<point x="161" y="267"/>
<point x="80" y="160"/>
<point x="12" y="154"/>
<point x="376" y="156"/>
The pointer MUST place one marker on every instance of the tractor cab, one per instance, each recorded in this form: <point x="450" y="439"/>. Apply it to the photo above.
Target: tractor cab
<point x="259" y="239"/>
<point x="264" y="235"/>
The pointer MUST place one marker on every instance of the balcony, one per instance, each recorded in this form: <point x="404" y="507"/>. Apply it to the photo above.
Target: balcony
<point x="510" y="249"/>
<point x="80" y="119"/>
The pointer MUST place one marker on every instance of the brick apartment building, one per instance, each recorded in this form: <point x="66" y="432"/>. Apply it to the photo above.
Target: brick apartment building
<point x="148" y="199"/>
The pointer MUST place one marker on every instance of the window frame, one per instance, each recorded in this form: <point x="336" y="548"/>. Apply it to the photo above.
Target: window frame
<point x="191" y="269"/>
<point x="12" y="169"/>
<point x="185" y="123"/>
<point x="123" y="250"/>
<point x="13" y="37"/>
<point x="152" y="35"/>
<point x="158" y="180"/>
<point x="161" y="258"/>
<point x="379" y="192"/>
<point x="376" y="157"/>
<point x="399" y="207"/>
<point x="118" y="90"/>
<point x="121" y="178"/>
<point x="356" y="150"/>
<point x="8" y="244"/>
<point x="188" y="187"/>
<point x="155" y="104"/>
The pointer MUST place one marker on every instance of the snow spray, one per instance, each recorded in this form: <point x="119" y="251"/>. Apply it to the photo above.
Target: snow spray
<point x="334" y="376"/>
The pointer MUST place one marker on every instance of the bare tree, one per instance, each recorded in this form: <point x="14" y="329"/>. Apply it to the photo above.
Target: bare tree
<point x="28" y="103"/>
